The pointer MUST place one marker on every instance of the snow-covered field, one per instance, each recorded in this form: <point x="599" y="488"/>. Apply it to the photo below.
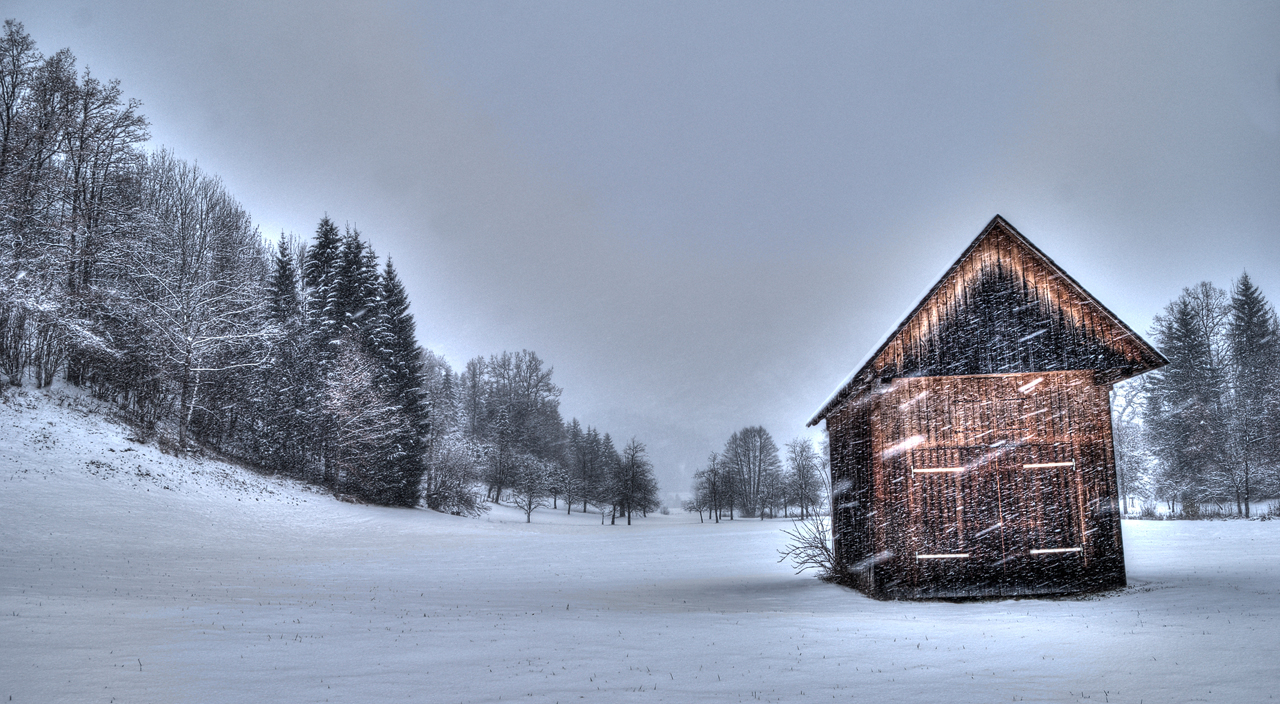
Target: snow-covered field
<point x="129" y="576"/>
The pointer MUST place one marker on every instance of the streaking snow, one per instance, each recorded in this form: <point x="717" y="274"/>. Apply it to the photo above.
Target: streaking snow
<point x="129" y="575"/>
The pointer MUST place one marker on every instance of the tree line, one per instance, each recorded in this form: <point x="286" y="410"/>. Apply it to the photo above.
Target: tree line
<point x="497" y="425"/>
<point x="138" y="277"/>
<point x="1203" y="433"/>
<point x="748" y="479"/>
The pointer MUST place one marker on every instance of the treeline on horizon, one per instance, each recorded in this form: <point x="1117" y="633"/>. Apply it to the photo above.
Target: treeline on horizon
<point x="748" y="479"/>
<point x="1202" y="434"/>
<point x="138" y="277"/>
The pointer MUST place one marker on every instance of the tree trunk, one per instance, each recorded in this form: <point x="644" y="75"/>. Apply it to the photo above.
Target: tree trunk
<point x="184" y="398"/>
<point x="1246" y="485"/>
<point x="191" y="407"/>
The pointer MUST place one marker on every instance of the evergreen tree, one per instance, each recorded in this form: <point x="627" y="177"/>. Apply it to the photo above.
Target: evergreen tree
<point x="1255" y="352"/>
<point x="320" y="279"/>
<point x="575" y="464"/>
<point x="601" y="458"/>
<point x="1185" y="405"/>
<point x="282" y="380"/>
<point x="284" y="302"/>
<point x="609" y="492"/>
<point x="354" y="296"/>
<point x="472" y="394"/>
<point x="323" y="325"/>
<point x="401" y="379"/>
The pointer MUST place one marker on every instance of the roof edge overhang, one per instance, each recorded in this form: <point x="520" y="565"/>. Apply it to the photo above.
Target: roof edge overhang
<point x="863" y="380"/>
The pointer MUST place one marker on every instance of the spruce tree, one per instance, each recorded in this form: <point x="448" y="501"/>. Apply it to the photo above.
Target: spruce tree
<point x="283" y="378"/>
<point x="575" y="458"/>
<point x="320" y="277"/>
<point x="323" y="324"/>
<point x="354" y="295"/>
<point x="1185" y="410"/>
<point x="1255" y="351"/>
<point x="401" y="379"/>
<point x="283" y="304"/>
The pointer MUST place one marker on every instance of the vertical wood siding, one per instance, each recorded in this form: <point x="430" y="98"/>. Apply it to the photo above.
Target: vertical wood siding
<point x="968" y="475"/>
<point x="1005" y="308"/>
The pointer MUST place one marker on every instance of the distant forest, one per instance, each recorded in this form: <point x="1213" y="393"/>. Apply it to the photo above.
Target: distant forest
<point x="1202" y="434"/>
<point x="136" y="276"/>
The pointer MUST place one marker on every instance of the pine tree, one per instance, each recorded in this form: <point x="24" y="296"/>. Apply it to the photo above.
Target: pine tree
<point x="592" y="470"/>
<point x="401" y="379"/>
<point x="284" y="302"/>
<point x="322" y="325"/>
<point x="1255" y="352"/>
<point x="354" y="296"/>
<point x="283" y="379"/>
<point x="1185" y="409"/>
<point x="320" y="278"/>
<point x="363" y="315"/>
<point x="575" y="464"/>
<point x="610" y="492"/>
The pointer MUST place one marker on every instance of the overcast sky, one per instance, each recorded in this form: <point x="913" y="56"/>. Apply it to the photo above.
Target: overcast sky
<point x="703" y="215"/>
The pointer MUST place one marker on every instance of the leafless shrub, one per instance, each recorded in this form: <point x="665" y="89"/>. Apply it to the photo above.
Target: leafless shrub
<point x="809" y="546"/>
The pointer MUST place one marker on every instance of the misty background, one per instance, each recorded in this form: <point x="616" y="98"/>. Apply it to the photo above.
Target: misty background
<point x="704" y="215"/>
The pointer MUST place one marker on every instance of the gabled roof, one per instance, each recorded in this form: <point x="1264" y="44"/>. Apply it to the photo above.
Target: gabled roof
<point x="1002" y="308"/>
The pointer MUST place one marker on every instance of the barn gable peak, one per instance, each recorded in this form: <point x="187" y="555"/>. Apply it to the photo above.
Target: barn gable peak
<point x="1004" y="307"/>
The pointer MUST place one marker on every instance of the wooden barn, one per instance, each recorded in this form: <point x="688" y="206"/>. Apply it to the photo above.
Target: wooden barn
<point x="971" y="456"/>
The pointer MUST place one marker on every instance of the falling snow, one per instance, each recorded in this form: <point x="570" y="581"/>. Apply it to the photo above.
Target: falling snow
<point x="127" y="574"/>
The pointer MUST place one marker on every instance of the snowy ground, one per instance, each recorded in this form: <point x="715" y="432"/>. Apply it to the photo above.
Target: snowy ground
<point x="129" y="576"/>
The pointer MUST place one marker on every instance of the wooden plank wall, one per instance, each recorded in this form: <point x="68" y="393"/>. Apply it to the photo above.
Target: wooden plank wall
<point x="988" y="466"/>
<point x="1003" y="250"/>
<point x="852" y="510"/>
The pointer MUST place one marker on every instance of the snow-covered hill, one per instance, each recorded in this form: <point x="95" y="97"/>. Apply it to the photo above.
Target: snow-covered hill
<point x="130" y="575"/>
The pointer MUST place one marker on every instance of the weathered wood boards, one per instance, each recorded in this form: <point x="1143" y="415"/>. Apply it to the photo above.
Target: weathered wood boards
<point x="979" y="485"/>
<point x="972" y="455"/>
